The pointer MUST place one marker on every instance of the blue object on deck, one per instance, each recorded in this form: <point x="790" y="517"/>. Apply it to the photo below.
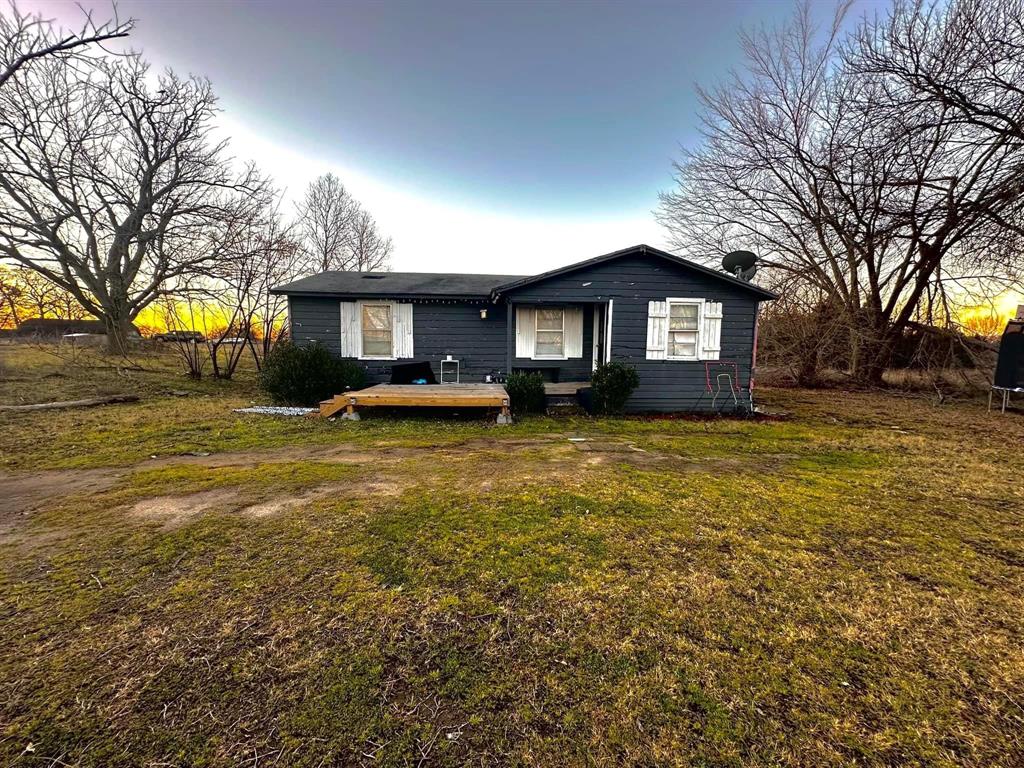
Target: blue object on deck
<point x="413" y="373"/>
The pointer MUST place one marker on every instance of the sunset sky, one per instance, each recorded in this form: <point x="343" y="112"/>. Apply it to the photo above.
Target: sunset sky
<point x="484" y="136"/>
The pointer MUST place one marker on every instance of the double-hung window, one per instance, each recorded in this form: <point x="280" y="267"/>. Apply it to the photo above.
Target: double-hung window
<point x="550" y="332"/>
<point x="683" y="329"/>
<point x="376" y="329"/>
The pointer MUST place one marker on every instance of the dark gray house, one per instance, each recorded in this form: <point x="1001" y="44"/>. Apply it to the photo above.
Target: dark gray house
<point x="689" y="331"/>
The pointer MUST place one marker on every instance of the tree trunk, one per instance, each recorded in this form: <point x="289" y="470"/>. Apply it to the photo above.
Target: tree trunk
<point x="871" y="352"/>
<point x="807" y="369"/>
<point x="119" y="328"/>
<point x="257" y="359"/>
<point x="214" y="358"/>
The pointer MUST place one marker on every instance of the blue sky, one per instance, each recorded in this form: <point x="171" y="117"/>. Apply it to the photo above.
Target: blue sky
<point x="484" y="136"/>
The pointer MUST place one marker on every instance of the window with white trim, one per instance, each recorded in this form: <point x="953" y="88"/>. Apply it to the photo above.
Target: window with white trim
<point x="550" y="327"/>
<point x="683" y="330"/>
<point x="376" y="327"/>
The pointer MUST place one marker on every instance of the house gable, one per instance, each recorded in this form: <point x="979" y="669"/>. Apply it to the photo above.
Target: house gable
<point x="645" y="252"/>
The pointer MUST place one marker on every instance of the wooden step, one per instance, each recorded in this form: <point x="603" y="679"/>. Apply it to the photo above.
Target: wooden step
<point x="333" y="406"/>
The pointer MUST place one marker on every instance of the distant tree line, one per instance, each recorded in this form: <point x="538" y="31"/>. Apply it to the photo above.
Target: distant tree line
<point x="25" y="294"/>
<point x="878" y="171"/>
<point x="115" y="196"/>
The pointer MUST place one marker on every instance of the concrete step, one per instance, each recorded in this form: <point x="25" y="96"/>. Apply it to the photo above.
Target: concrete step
<point x="564" y="409"/>
<point x="553" y="400"/>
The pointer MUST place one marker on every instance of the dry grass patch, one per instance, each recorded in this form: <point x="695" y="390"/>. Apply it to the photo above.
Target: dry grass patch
<point x="844" y="587"/>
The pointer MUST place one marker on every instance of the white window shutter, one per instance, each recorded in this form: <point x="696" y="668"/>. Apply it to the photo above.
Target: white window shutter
<point x="573" y="332"/>
<point x="402" y="314"/>
<point x="657" y="329"/>
<point x="350" y="338"/>
<point x="526" y="331"/>
<point x="711" y="333"/>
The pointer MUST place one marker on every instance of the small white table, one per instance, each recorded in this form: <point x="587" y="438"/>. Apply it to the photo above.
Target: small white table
<point x="1005" y="394"/>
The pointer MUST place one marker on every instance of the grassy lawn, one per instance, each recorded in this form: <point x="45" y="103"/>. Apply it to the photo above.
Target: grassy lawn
<point x="181" y="585"/>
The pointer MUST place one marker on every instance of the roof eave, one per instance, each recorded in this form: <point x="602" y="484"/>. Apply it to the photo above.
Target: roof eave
<point x="285" y="291"/>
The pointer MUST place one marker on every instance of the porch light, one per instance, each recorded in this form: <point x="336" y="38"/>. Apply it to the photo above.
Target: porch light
<point x="483" y="314"/>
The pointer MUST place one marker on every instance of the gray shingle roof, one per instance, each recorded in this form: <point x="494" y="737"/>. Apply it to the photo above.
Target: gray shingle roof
<point x="410" y="285"/>
<point x="398" y="284"/>
<point x="637" y="249"/>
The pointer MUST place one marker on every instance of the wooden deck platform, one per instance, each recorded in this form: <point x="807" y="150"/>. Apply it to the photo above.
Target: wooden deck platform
<point x="420" y="396"/>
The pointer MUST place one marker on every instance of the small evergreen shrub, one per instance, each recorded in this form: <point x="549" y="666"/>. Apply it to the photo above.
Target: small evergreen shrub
<point x="611" y="385"/>
<point x="305" y="375"/>
<point x="525" y="392"/>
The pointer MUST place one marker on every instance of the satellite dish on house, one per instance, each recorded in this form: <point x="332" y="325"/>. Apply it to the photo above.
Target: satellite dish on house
<point x="741" y="264"/>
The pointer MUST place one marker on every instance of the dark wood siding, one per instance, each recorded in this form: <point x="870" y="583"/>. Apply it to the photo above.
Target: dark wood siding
<point x="439" y="329"/>
<point x="631" y="282"/>
<point x="315" y="319"/>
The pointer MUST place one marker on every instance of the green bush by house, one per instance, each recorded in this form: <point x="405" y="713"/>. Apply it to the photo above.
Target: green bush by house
<point x="611" y="386"/>
<point x="525" y="392"/>
<point x="294" y="375"/>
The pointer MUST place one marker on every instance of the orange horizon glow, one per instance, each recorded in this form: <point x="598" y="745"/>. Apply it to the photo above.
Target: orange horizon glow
<point x="215" y="317"/>
<point x="210" y="317"/>
<point x="1003" y="309"/>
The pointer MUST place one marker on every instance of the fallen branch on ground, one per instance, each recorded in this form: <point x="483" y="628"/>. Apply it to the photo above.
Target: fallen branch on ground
<point x="86" y="403"/>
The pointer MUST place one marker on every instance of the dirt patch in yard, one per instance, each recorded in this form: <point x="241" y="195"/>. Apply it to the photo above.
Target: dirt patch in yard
<point x="22" y="494"/>
<point x="604" y="451"/>
<point x="352" y="454"/>
<point x="280" y="504"/>
<point x="382" y="472"/>
<point x="173" y="511"/>
<point x="604" y="447"/>
<point x="340" y="454"/>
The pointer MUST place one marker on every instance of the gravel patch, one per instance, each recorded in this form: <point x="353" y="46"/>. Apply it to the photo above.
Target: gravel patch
<point x="276" y="410"/>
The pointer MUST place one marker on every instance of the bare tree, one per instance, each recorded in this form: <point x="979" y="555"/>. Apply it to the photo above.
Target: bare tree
<point x="111" y="186"/>
<point x="326" y="215"/>
<point x="265" y="256"/>
<point x="370" y="250"/>
<point x="25" y="293"/>
<point x="854" y="184"/>
<point x="25" y="38"/>
<point x="10" y="298"/>
<point x="801" y="332"/>
<point x="187" y="310"/>
<point x="42" y="298"/>
<point x="230" y="302"/>
<point x="227" y="345"/>
<point x="276" y="260"/>
<point x="967" y="56"/>
<point x="337" y="232"/>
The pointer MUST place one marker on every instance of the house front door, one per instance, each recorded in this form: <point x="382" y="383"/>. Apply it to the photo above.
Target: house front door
<point x="600" y="330"/>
